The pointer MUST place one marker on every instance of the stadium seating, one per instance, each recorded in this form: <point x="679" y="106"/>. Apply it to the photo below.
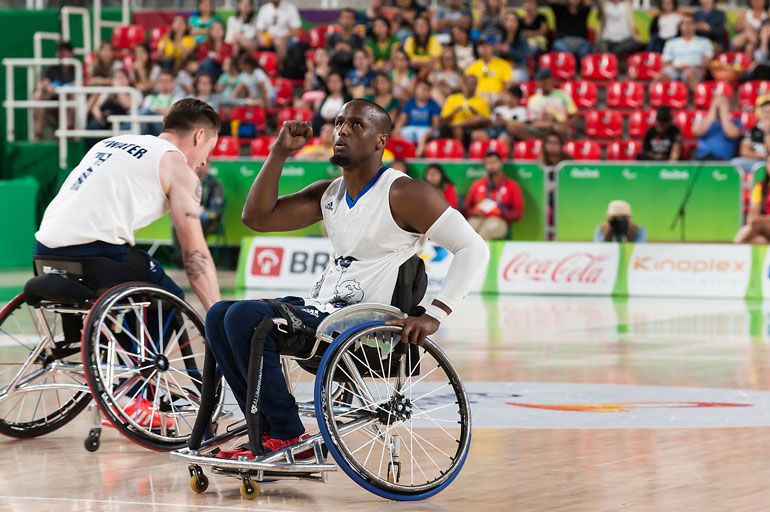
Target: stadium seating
<point x="250" y="115"/>
<point x="749" y="91"/>
<point x="639" y="121"/>
<point x="583" y="150"/>
<point x="685" y="121"/>
<point x="296" y="114"/>
<point x="705" y="92"/>
<point x="670" y="94"/>
<point x="527" y="89"/>
<point x="319" y="34"/>
<point x="740" y="60"/>
<point x="624" y="149"/>
<point x="527" y="149"/>
<point x="585" y="94"/>
<point x="284" y="92"/>
<point x="688" y="149"/>
<point x="155" y="36"/>
<point x="479" y="148"/>
<point x="268" y="61"/>
<point x="226" y="146"/>
<point x="604" y="124"/>
<point x="625" y="95"/>
<point x="748" y="119"/>
<point x="401" y="148"/>
<point x="644" y="65"/>
<point x="261" y="145"/>
<point x="599" y="67"/>
<point x="444" y="149"/>
<point x="562" y="65"/>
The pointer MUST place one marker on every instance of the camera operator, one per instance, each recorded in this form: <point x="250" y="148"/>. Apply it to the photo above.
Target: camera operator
<point x="619" y="227"/>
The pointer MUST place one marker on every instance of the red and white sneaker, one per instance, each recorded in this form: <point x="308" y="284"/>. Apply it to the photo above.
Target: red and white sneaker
<point x="273" y="444"/>
<point x="243" y="450"/>
<point x="141" y="411"/>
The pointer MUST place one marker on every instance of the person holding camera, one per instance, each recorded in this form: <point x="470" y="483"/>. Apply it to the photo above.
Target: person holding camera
<point x="619" y="227"/>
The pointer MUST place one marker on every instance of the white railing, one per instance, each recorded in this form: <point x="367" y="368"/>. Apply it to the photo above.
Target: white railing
<point x="81" y="115"/>
<point x="66" y="29"/>
<point x="133" y="120"/>
<point x="125" y="19"/>
<point x="33" y="67"/>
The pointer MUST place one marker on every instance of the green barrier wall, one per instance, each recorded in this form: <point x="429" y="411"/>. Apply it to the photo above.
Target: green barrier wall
<point x="654" y="192"/>
<point x="18" y="203"/>
<point x="237" y="177"/>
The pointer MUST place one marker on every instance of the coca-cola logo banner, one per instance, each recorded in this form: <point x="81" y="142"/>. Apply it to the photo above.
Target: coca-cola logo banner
<point x="558" y="268"/>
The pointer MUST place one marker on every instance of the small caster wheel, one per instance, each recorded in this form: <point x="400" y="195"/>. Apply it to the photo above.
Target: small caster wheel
<point x="250" y="490"/>
<point x="92" y="441"/>
<point x="394" y="472"/>
<point x="199" y="483"/>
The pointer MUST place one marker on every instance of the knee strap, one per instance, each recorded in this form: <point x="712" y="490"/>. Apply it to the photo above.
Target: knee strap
<point x="254" y="384"/>
<point x="293" y="342"/>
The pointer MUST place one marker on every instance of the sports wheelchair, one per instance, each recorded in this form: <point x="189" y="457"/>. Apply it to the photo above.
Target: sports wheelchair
<point x="394" y="417"/>
<point x="87" y="329"/>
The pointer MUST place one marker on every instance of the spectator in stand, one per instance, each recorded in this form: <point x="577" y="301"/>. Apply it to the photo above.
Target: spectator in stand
<point x="186" y="76"/>
<point x="493" y="73"/>
<point x="665" y="25"/>
<point x="761" y="66"/>
<point x="203" y="89"/>
<point x="508" y="115"/>
<point x="747" y="26"/>
<point x="618" y="32"/>
<point x="322" y="149"/>
<point x="202" y="21"/>
<point x="376" y="9"/>
<point x="212" y="209"/>
<point x="176" y="45"/>
<point x="463" y="47"/>
<point x="489" y="21"/>
<point x="711" y="23"/>
<point x="213" y="51"/>
<point x="419" y="118"/>
<point x="336" y="96"/>
<point x="160" y="102"/>
<point x="360" y="79"/>
<point x="465" y="112"/>
<point x="54" y="76"/>
<point x="755" y="143"/>
<point x="686" y="57"/>
<point x="549" y="110"/>
<point x="757" y="228"/>
<point x="718" y="134"/>
<point x="242" y="28"/>
<point x="402" y="75"/>
<point x="618" y="227"/>
<point x="446" y="79"/>
<point x="278" y="22"/>
<point x="381" y="45"/>
<point x="144" y="72"/>
<point x="552" y="154"/>
<point x="342" y="44"/>
<point x="435" y="175"/>
<point x="228" y="82"/>
<point x="254" y="83"/>
<point x="494" y="202"/>
<point x="405" y="15"/>
<point x="534" y="26"/>
<point x="315" y="79"/>
<point x="105" y="63"/>
<point x="422" y="47"/>
<point x="663" y="140"/>
<point x="102" y="106"/>
<point x="514" y="47"/>
<point x="455" y="13"/>
<point x="383" y="95"/>
<point x="399" y="164"/>
<point x="572" y="27"/>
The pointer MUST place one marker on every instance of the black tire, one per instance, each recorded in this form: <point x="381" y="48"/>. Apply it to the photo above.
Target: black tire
<point x="16" y="327"/>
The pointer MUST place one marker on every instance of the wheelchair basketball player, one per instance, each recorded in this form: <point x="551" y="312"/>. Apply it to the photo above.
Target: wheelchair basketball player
<point x="377" y="219"/>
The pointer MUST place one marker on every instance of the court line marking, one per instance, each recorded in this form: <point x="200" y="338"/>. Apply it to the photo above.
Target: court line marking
<point x="145" y="503"/>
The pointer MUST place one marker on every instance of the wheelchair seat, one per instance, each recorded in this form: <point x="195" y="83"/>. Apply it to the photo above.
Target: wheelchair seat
<point x="56" y="288"/>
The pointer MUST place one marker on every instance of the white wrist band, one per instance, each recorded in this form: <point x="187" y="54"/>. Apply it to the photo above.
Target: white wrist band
<point x="436" y="312"/>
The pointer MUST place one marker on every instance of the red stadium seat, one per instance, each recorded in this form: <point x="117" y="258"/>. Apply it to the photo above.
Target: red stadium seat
<point x="135" y="35"/>
<point x="261" y="145"/>
<point x="119" y="39"/>
<point x="748" y="119"/>
<point x="252" y="115"/>
<point x="604" y="124"/>
<point x="527" y="89"/>
<point x="688" y="149"/>
<point x="268" y="61"/>
<point x="156" y="35"/>
<point x="685" y="120"/>
<point x="319" y="34"/>
<point x="583" y="93"/>
<point x="599" y="67"/>
<point x="624" y="149"/>
<point x="401" y="148"/>
<point x="625" y="95"/>
<point x="639" y="121"/>
<point x="127" y="36"/>
<point x="284" y="92"/>
<point x="749" y="91"/>
<point x="739" y="60"/>
<point x="705" y="92"/>
<point x="444" y="149"/>
<point x="671" y="94"/>
<point x="527" y="149"/>
<point x="295" y="114"/>
<point x="226" y="146"/>
<point x="562" y="65"/>
<point x="644" y="65"/>
<point x="479" y="148"/>
<point x="583" y="150"/>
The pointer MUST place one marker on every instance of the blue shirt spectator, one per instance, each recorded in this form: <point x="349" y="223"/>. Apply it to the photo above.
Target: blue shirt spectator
<point x="421" y="114"/>
<point x="711" y="22"/>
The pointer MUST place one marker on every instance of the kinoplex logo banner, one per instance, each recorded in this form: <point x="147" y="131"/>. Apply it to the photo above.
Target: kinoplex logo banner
<point x="558" y="268"/>
<point x="701" y="270"/>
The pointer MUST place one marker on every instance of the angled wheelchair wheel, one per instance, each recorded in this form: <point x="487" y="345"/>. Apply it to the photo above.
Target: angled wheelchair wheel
<point x="42" y="386"/>
<point x="143" y="353"/>
<point x="406" y="433"/>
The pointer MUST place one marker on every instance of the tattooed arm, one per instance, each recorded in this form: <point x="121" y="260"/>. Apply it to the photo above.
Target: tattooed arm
<point x="184" y="194"/>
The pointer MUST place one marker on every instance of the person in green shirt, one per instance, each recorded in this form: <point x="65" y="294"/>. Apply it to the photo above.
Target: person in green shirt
<point x="381" y="45"/>
<point x="201" y="21"/>
<point x="383" y="95"/>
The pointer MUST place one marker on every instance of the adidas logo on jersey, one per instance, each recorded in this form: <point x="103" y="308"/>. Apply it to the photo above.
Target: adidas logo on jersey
<point x="329" y="205"/>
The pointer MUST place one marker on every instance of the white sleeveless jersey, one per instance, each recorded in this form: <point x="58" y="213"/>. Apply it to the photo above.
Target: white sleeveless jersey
<point x="114" y="191"/>
<point x="368" y="246"/>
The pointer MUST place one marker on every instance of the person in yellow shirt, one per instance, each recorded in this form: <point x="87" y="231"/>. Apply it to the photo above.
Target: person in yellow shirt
<point x="177" y="44"/>
<point x="423" y="48"/>
<point x="494" y="74"/>
<point x="465" y="112"/>
<point x="757" y="228"/>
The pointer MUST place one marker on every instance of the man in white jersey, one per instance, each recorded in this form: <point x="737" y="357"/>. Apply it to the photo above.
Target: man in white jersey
<point x="377" y="219"/>
<point x="127" y="182"/>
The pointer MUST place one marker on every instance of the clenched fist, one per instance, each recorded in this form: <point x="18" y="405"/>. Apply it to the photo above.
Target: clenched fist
<point x="293" y="136"/>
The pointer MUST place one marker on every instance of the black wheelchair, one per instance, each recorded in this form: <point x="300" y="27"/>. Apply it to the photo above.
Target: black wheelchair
<point x="88" y="331"/>
<point x="394" y="417"/>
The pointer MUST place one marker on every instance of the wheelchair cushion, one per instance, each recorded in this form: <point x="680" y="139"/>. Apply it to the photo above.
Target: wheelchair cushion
<point x="95" y="272"/>
<point x="56" y="288"/>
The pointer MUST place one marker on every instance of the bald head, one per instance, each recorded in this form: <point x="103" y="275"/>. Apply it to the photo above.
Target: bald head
<point x="361" y="131"/>
<point x="377" y="115"/>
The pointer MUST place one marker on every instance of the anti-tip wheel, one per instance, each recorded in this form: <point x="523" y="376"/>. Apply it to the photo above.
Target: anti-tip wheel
<point x="250" y="492"/>
<point x="91" y="444"/>
<point x="199" y="484"/>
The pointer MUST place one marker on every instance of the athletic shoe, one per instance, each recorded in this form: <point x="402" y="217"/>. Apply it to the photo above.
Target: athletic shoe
<point x="273" y="444"/>
<point x="243" y="450"/>
<point x="141" y="410"/>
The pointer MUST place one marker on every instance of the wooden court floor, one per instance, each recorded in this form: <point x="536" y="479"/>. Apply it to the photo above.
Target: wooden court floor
<point x="579" y="404"/>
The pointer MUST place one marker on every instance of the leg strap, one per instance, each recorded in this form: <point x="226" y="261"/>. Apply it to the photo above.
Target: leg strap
<point x="254" y="384"/>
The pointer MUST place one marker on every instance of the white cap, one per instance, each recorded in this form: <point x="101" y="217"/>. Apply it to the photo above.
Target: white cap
<point x="619" y="208"/>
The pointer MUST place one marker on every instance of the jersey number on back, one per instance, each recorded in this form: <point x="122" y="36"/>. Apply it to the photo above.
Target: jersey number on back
<point x="99" y="159"/>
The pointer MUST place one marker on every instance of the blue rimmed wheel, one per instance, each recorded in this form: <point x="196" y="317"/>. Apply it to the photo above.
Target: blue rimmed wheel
<point x="406" y="432"/>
